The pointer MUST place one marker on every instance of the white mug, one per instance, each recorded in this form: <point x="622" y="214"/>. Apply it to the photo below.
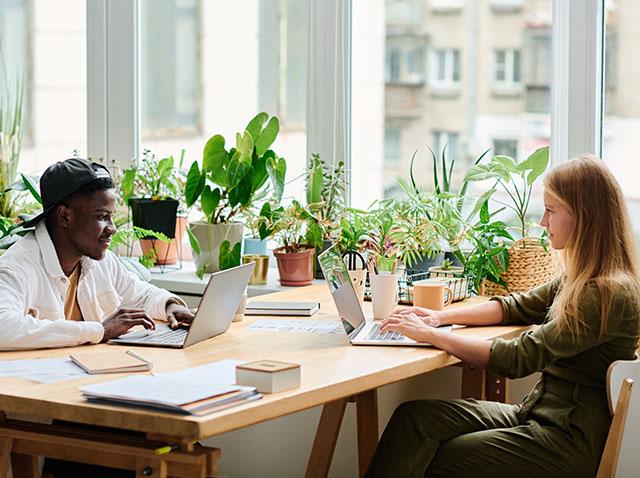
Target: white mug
<point x="384" y="294"/>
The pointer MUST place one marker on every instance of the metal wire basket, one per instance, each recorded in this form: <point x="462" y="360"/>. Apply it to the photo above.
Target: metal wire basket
<point x="460" y="284"/>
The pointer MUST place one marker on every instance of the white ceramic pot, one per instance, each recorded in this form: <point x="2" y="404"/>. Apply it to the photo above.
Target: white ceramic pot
<point x="210" y="237"/>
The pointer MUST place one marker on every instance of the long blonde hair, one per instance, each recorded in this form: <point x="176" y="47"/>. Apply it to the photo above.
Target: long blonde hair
<point x="601" y="249"/>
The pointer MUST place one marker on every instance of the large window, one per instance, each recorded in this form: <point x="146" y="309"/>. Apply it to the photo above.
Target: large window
<point x="208" y="66"/>
<point x="43" y="46"/>
<point x="621" y="141"/>
<point x="489" y="83"/>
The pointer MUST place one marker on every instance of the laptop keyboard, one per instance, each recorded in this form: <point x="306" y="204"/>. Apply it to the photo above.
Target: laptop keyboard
<point x="375" y="334"/>
<point x="171" y="337"/>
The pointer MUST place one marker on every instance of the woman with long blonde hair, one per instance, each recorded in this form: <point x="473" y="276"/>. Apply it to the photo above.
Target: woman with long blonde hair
<point x="584" y="320"/>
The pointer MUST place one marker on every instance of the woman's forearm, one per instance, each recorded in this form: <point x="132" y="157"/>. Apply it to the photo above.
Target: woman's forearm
<point x="488" y="313"/>
<point x="468" y="349"/>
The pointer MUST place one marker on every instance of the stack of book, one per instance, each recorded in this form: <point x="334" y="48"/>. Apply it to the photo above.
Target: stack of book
<point x="167" y="393"/>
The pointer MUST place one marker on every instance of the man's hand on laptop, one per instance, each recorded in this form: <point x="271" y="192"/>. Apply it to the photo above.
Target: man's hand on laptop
<point x="178" y="315"/>
<point x="122" y="320"/>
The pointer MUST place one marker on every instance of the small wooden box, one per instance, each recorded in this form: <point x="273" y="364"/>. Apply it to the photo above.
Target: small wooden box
<point x="269" y="376"/>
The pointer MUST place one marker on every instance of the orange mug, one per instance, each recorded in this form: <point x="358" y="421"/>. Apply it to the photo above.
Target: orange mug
<point x="430" y="293"/>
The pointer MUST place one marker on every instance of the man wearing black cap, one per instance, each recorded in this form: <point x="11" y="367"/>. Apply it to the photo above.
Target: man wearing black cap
<point x="60" y="285"/>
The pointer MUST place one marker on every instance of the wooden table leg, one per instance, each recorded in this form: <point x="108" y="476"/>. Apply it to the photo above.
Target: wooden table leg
<point x="324" y="443"/>
<point x="5" y="456"/>
<point x="496" y="388"/>
<point x="150" y="467"/>
<point x="367" y="417"/>
<point x="26" y="466"/>
<point x="473" y="381"/>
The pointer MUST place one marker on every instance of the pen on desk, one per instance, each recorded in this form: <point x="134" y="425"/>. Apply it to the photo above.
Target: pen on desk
<point x="140" y="357"/>
<point x="165" y="450"/>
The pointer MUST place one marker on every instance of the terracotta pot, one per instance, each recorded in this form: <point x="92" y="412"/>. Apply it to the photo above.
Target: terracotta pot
<point x="295" y="268"/>
<point x="166" y="253"/>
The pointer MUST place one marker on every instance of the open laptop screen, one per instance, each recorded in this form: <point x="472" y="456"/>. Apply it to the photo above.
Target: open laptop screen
<point x="344" y="296"/>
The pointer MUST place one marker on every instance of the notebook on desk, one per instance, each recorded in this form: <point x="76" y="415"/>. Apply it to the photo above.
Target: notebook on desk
<point x="114" y="361"/>
<point x="282" y="308"/>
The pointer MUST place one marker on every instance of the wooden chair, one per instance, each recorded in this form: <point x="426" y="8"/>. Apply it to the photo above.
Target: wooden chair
<point x="624" y="403"/>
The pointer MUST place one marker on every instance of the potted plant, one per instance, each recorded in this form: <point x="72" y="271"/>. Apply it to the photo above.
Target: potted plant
<point x="11" y="103"/>
<point x="351" y="243"/>
<point x="382" y="240"/>
<point x="228" y="184"/>
<point x="299" y="234"/>
<point x="530" y="263"/>
<point x="151" y="189"/>
<point x="326" y="188"/>
<point x="446" y="269"/>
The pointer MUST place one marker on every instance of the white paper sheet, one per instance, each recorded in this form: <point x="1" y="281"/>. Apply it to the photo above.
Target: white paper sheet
<point x="42" y="370"/>
<point x="222" y="372"/>
<point x="311" y="326"/>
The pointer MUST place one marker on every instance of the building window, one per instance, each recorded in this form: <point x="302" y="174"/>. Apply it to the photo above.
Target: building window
<point x="392" y="148"/>
<point x="448" y="139"/>
<point x="15" y="57"/>
<point x="446" y="67"/>
<point x="506" y="72"/>
<point x="506" y="147"/>
<point x="538" y="71"/>
<point x="405" y="60"/>
<point x="282" y="61"/>
<point x="170" y="89"/>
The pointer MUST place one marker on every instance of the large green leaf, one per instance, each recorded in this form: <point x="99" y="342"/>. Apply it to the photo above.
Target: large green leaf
<point x="277" y="170"/>
<point x="479" y="172"/>
<point x="267" y="136"/>
<point x="215" y="159"/>
<point x="255" y="125"/>
<point x="195" y="184"/>
<point x="536" y="164"/>
<point x="127" y="183"/>
<point x="484" y="212"/>
<point x="229" y="257"/>
<point x="481" y="200"/>
<point x="259" y="173"/>
<point x="315" y="181"/>
<point x="209" y="201"/>
<point x="165" y="168"/>
<point x="237" y="170"/>
<point x="244" y="145"/>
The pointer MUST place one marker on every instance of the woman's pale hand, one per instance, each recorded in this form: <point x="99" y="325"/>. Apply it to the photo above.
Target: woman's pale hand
<point x="428" y="316"/>
<point x="409" y="325"/>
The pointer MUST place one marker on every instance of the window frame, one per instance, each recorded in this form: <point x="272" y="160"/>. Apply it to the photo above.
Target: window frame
<point x="509" y="68"/>
<point x="113" y="103"/>
<point x="449" y="58"/>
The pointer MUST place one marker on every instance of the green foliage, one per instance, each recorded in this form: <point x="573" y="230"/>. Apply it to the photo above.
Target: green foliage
<point x="353" y="231"/>
<point x="382" y="238"/>
<point x="11" y="104"/>
<point x="126" y="235"/>
<point x="229" y="256"/>
<point x="295" y="227"/>
<point x="233" y="180"/>
<point x="516" y="179"/>
<point x="326" y="188"/>
<point x="153" y="179"/>
<point x="446" y="265"/>
<point x="489" y="257"/>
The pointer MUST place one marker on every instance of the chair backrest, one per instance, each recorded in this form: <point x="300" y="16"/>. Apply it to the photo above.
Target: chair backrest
<point x="620" y="458"/>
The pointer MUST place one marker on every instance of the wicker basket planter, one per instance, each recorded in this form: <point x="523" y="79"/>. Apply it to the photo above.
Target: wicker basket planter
<point x="529" y="266"/>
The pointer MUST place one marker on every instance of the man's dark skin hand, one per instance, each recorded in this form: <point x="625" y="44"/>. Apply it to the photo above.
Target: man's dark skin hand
<point x="178" y="315"/>
<point x="122" y="320"/>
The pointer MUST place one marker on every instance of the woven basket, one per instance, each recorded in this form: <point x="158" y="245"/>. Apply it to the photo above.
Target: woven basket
<point x="529" y="266"/>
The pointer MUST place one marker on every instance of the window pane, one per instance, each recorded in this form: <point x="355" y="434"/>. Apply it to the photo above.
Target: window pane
<point x="237" y="58"/>
<point x="461" y="46"/>
<point x="43" y="47"/>
<point x="621" y="141"/>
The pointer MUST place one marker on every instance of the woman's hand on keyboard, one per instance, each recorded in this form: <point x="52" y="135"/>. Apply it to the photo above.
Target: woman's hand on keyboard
<point x="409" y="325"/>
<point x="428" y="316"/>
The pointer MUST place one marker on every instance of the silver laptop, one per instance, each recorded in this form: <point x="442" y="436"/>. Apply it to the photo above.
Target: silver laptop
<point x="217" y="307"/>
<point x="360" y="331"/>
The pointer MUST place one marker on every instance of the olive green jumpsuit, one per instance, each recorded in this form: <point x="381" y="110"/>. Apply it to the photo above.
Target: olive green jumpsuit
<point x="559" y="429"/>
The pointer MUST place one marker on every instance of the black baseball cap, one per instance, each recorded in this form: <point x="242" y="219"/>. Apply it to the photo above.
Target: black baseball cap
<point x="62" y="179"/>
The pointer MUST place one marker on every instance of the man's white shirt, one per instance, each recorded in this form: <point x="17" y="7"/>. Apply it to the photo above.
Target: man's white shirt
<point x="33" y="288"/>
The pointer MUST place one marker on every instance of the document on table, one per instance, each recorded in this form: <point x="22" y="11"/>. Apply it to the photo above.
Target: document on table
<point x="311" y="326"/>
<point x="222" y="372"/>
<point x="42" y="370"/>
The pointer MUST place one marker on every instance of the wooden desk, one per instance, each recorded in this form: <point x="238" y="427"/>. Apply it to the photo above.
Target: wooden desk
<point x="332" y="373"/>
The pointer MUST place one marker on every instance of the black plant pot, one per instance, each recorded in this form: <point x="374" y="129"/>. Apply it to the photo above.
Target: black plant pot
<point x="157" y="216"/>
<point x="317" y="272"/>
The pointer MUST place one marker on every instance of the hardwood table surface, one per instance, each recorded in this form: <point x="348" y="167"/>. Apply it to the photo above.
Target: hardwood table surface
<point x="330" y="369"/>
